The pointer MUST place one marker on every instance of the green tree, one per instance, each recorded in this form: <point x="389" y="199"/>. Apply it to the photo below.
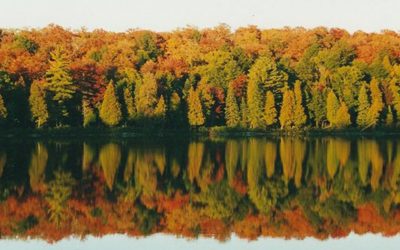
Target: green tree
<point x="265" y="72"/>
<point x="332" y="105"/>
<point x="38" y="105"/>
<point x="363" y="107"/>
<point x="270" y="112"/>
<point x="110" y="110"/>
<point x="299" y="115"/>
<point x="232" y="113"/>
<point x="89" y="115"/>
<point x="317" y="106"/>
<point x="195" y="110"/>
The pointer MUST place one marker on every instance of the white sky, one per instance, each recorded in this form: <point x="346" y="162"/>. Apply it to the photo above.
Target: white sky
<point x="167" y="15"/>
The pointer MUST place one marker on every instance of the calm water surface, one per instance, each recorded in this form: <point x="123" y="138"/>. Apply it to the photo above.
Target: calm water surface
<point x="310" y="192"/>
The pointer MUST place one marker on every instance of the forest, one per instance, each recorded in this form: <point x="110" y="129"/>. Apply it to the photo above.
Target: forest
<point x="250" y="78"/>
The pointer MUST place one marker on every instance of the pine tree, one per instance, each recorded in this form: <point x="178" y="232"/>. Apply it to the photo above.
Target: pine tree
<point x="342" y="116"/>
<point x="38" y="105"/>
<point x="59" y="82"/>
<point x="110" y="111"/>
<point x="89" y="115"/>
<point x="195" y="110"/>
<point x="270" y="113"/>
<point x="254" y="104"/>
<point x="300" y="117"/>
<point x="287" y="110"/>
<point x="129" y="104"/>
<point x="160" y="110"/>
<point x="332" y="105"/>
<point x="232" y="114"/>
<point x="244" y="119"/>
<point x="363" y="107"/>
<point x="376" y="104"/>
<point x="3" y="109"/>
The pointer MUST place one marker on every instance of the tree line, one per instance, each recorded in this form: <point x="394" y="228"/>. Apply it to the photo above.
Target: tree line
<point x="249" y="78"/>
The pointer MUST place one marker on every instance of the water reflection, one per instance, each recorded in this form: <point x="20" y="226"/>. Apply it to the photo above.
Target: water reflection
<point x="284" y="187"/>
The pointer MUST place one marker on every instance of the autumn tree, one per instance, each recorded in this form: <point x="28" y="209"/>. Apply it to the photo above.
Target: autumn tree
<point x="270" y="113"/>
<point x="110" y="110"/>
<point x="129" y="104"/>
<point x="89" y="114"/>
<point x="363" y="107"/>
<point x="146" y="96"/>
<point x="342" y="116"/>
<point x="244" y="118"/>
<point x="59" y="83"/>
<point x="332" y="106"/>
<point x="38" y="105"/>
<point x="287" y="110"/>
<point x="232" y="113"/>
<point x="299" y="115"/>
<point x="195" y="110"/>
<point x="161" y="109"/>
<point x="376" y="104"/>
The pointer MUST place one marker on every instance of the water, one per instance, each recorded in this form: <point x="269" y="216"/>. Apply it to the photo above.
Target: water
<point x="313" y="188"/>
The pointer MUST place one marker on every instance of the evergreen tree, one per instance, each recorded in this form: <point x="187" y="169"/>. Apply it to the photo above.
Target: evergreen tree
<point x="332" y="105"/>
<point x="129" y="104"/>
<point x="244" y="119"/>
<point x="195" y="110"/>
<point x="363" y="107"/>
<point x="317" y="106"/>
<point x="38" y="105"/>
<point x="3" y="109"/>
<point x="232" y="113"/>
<point x="59" y="82"/>
<point x="300" y="117"/>
<point x="342" y="116"/>
<point x="287" y="110"/>
<point x="376" y="104"/>
<point x="270" y="113"/>
<point x="89" y="115"/>
<point x="254" y="104"/>
<point x="110" y="111"/>
<point x="161" y="109"/>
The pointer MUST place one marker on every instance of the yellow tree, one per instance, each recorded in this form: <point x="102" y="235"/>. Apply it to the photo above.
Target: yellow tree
<point x="195" y="110"/>
<point x="38" y="105"/>
<point x="287" y="111"/>
<point x="342" y="116"/>
<point x="332" y="105"/>
<point x="232" y="114"/>
<point x="363" y="107"/>
<point x="299" y="113"/>
<point x="270" y="113"/>
<point x="376" y="103"/>
<point x="110" y="111"/>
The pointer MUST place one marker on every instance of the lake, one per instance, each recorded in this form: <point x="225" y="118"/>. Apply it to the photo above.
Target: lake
<point x="205" y="192"/>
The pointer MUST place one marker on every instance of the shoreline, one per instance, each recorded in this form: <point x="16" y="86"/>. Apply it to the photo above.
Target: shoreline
<point x="131" y="132"/>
